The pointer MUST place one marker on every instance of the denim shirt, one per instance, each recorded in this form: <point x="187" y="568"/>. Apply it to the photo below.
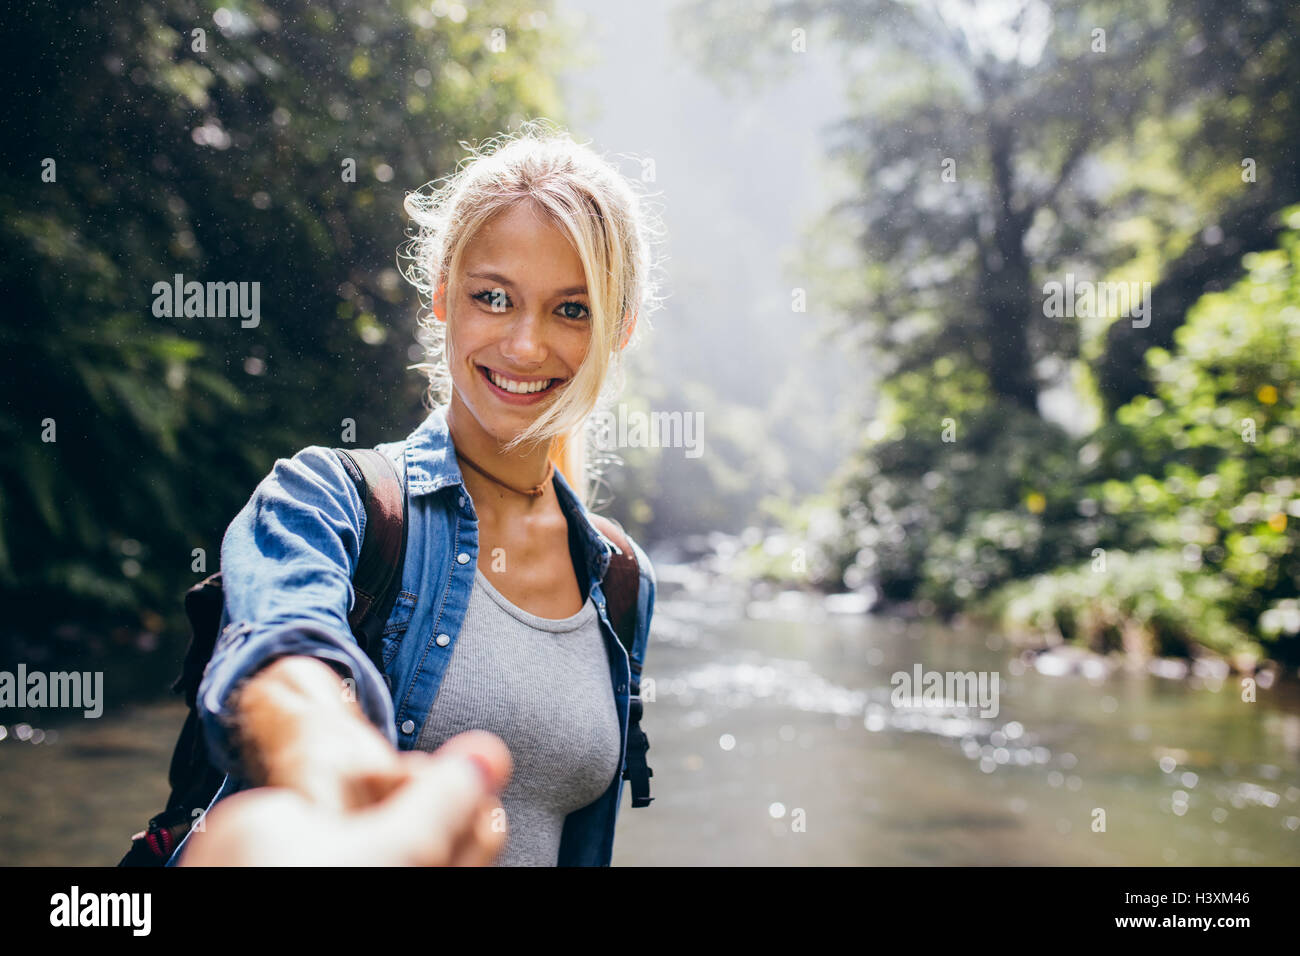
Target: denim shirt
<point x="287" y="561"/>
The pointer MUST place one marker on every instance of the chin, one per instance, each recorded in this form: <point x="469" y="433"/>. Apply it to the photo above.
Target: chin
<point x="504" y="424"/>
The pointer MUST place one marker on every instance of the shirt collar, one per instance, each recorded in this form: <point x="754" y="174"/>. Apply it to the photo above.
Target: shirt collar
<point x="431" y="465"/>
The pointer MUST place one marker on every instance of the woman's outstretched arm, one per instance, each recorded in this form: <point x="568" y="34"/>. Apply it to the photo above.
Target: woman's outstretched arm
<point x="287" y="561"/>
<point x="333" y="792"/>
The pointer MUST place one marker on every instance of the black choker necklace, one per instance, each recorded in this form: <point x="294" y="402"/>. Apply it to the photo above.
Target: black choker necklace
<point x="534" y="492"/>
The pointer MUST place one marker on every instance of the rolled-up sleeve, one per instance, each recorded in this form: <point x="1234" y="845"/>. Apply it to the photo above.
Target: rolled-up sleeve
<point x="286" y="567"/>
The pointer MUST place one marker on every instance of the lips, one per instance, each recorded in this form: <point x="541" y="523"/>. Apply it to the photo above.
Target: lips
<point x="517" y="398"/>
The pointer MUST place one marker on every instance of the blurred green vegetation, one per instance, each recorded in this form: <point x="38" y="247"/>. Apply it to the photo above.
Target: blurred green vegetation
<point x="220" y="158"/>
<point x="1010" y="453"/>
<point x="1140" y="511"/>
<point x="1205" y="494"/>
<point x="1173" y="529"/>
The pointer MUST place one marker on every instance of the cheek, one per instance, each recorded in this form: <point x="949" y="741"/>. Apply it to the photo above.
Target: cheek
<point x="575" y="346"/>
<point x="461" y="344"/>
<point x="473" y="329"/>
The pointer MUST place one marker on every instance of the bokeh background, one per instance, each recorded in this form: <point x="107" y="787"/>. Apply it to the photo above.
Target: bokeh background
<point x="909" y="456"/>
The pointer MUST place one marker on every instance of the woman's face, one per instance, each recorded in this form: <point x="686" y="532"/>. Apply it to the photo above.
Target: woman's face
<point x="521" y="320"/>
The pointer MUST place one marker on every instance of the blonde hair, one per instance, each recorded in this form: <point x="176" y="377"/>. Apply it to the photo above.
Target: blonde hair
<point x="612" y="229"/>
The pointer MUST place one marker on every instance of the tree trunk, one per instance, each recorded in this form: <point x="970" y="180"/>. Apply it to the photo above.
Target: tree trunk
<point x="1005" y="297"/>
<point x="1204" y="267"/>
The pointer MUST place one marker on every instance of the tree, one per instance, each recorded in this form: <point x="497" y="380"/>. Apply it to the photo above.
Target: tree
<point x="215" y="141"/>
<point x="984" y="138"/>
<point x="996" y="148"/>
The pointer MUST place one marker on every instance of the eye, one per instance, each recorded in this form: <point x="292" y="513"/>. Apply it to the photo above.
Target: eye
<point x="496" y="300"/>
<point x="586" y="312"/>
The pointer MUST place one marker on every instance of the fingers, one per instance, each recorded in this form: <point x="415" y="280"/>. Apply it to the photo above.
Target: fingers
<point x="430" y="810"/>
<point x="486" y="748"/>
<point x="485" y="838"/>
<point x="374" y="787"/>
<point x="341" y="764"/>
<point x="423" y="821"/>
<point x="438" y="828"/>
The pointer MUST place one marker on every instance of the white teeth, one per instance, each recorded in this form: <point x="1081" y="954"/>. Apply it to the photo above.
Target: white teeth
<point x="518" y="388"/>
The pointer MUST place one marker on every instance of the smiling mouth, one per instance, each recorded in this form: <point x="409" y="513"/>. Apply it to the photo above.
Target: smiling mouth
<point x="513" y="387"/>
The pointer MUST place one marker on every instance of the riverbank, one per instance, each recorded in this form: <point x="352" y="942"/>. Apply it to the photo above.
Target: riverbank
<point x="1090" y="630"/>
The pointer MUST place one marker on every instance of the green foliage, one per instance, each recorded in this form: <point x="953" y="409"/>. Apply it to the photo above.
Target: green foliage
<point x="221" y="161"/>
<point x="1175" y="526"/>
<point x="954" y="492"/>
<point x="1207" y="477"/>
<point x="803" y="550"/>
<point x="998" y="148"/>
<point x="1148" y="602"/>
<point x="994" y="153"/>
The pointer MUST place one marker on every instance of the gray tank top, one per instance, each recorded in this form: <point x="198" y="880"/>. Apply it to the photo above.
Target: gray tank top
<point x="543" y="686"/>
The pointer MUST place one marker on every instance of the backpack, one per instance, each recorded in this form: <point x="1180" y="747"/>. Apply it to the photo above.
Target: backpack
<point x="195" y="781"/>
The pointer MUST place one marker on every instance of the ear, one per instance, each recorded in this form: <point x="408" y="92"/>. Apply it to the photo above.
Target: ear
<point x="631" y="327"/>
<point x="440" y="303"/>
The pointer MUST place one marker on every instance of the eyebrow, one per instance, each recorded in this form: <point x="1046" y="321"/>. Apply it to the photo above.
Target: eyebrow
<point x="497" y="277"/>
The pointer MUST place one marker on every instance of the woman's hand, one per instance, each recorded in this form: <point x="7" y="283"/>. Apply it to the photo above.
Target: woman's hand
<point x="330" y="788"/>
<point x="443" y="812"/>
<point x="339" y="763"/>
<point x="300" y="729"/>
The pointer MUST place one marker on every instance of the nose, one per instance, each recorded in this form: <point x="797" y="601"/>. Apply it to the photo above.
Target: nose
<point x="524" y="344"/>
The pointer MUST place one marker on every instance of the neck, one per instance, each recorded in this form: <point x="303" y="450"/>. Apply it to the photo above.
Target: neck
<point x="520" y="469"/>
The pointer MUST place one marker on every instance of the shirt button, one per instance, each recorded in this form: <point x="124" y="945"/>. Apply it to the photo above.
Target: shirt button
<point x="408" y="726"/>
<point x="442" y="640"/>
<point x="622" y="687"/>
<point x="462" y="557"/>
<point x="461" y="501"/>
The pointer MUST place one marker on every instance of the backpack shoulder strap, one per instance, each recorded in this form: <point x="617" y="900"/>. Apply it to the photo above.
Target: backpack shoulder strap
<point x="378" y="575"/>
<point x="621" y="585"/>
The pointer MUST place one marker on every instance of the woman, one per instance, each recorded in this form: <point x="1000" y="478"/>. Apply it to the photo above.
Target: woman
<point x="534" y="261"/>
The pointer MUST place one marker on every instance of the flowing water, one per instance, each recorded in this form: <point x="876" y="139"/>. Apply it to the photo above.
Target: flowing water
<point x="775" y="741"/>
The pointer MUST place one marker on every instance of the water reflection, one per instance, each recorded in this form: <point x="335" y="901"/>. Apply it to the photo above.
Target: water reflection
<point x="1085" y="761"/>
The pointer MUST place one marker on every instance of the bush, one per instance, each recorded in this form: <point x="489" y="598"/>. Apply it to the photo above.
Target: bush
<point x="954" y="492"/>
<point x="1189" y="496"/>
<point x="1146" y="603"/>
<point x="1211" y="496"/>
